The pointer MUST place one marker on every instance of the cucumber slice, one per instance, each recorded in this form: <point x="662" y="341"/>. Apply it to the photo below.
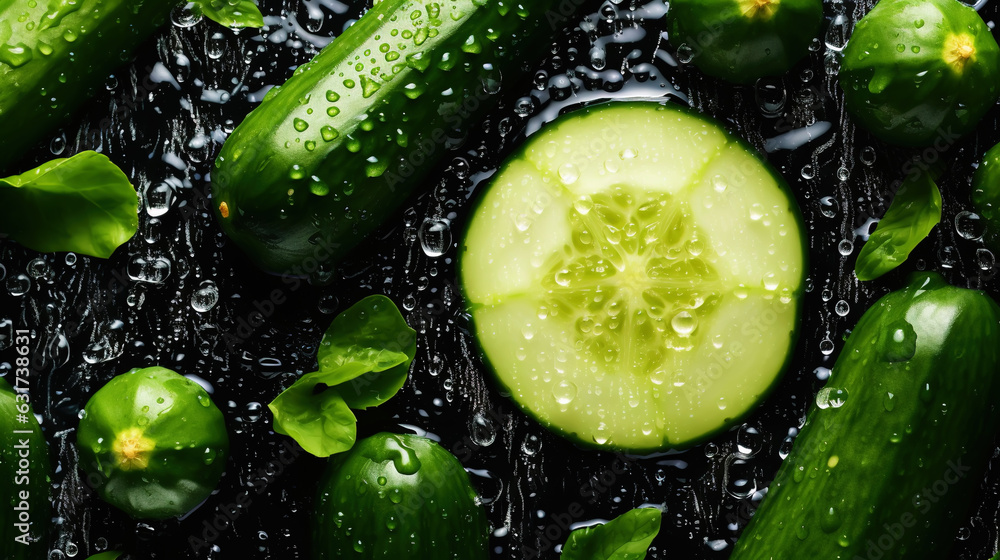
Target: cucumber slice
<point x="634" y="277"/>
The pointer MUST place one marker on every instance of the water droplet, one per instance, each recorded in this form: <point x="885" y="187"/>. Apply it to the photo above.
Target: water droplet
<point x="899" y="342"/>
<point x="205" y="297"/>
<point x="482" y="430"/>
<point x="569" y="174"/>
<point x="532" y="445"/>
<point x="830" y="397"/>
<point x="684" y="323"/>
<point x="435" y="237"/>
<point x="968" y="225"/>
<point x="157" y="199"/>
<point x="564" y="392"/>
<point x="842" y="308"/>
<point x="845" y="247"/>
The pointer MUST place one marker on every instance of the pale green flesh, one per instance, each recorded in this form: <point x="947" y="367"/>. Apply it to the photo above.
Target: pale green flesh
<point x="634" y="277"/>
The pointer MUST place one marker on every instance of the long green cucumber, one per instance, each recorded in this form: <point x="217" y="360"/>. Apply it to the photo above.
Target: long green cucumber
<point x="53" y="53"/>
<point x="24" y="480"/>
<point x="893" y="449"/>
<point x="332" y="153"/>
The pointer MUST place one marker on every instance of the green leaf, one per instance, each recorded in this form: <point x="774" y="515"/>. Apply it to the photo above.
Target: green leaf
<point x="231" y="13"/>
<point x="364" y="359"/>
<point x="83" y="204"/>
<point x="109" y="555"/>
<point x="371" y="333"/>
<point x="626" y="537"/>
<point x="914" y="211"/>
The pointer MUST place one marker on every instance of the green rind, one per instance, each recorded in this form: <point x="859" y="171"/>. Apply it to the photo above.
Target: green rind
<point x="11" y="483"/>
<point x="408" y="97"/>
<point x="589" y="443"/>
<point x="398" y="496"/>
<point x="728" y="44"/>
<point x="39" y="91"/>
<point x="986" y="195"/>
<point x="913" y="98"/>
<point x="908" y="466"/>
<point x="192" y="444"/>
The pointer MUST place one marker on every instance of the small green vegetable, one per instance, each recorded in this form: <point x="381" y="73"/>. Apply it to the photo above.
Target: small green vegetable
<point x="153" y="443"/>
<point x="109" y="555"/>
<point x="398" y="497"/>
<point x="914" y="212"/>
<point x="627" y="537"/>
<point x="986" y="195"/>
<point x="743" y="40"/>
<point x="83" y="204"/>
<point x="920" y="72"/>
<point x="363" y="358"/>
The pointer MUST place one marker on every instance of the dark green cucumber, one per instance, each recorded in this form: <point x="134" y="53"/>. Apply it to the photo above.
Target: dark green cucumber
<point x="333" y="152"/>
<point x="920" y="72"/>
<point x="986" y="195"/>
<point x="54" y="53"/>
<point x="24" y="480"/>
<point x="398" y="496"/>
<point x="893" y="450"/>
<point x="743" y="40"/>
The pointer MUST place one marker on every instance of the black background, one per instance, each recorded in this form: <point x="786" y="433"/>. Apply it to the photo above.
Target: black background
<point x="165" y="139"/>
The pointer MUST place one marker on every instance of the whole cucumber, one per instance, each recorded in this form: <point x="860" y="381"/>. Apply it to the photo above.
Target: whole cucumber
<point x="24" y="480"/>
<point x="400" y="497"/>
<point x="54" y="53"/>
<point x="335" y="150"/>
<point x="893" y="450"/>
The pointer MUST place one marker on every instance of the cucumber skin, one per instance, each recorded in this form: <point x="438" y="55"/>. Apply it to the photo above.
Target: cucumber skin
<point x="986" y="195"/>
<point x="572" y="436"/>
<point x="437" y="505"/>
<point x="304" y="234"/>
<point x="728" y="45"/>
<point x="946" y="106"/>
<point x="38" y="486"/>
<point x="107" y="31"/>
<point x="873" y="487"/>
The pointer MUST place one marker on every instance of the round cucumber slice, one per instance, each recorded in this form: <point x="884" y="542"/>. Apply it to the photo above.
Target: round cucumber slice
<point x="634" y="277"/>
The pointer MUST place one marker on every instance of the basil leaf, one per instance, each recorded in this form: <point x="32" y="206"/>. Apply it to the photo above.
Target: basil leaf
<point x="626" y="537"/>
<point x="83" y="204"/>
<point x="109" y="555"/>
<point x="373" y="333"/>
<point x="364" y="359"/>
<point x="914" y="211"/>
<point x="236" y="14"/>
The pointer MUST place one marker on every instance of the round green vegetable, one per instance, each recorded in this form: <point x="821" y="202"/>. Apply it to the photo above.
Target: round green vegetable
<point x="153" y="443"/>
<point x="24" y="479"/>
<point x="986" y="195"/>
<point x="920" y="72"/>
<point x="743" y="40"/>
<point x="634" y="276"/>
<point x="398" y="496"/>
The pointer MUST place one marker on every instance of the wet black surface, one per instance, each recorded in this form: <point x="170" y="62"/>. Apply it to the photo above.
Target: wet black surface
<point x="94" y="319"/>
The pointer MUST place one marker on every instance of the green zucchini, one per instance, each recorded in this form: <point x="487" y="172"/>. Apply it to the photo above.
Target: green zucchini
<point x="398" y="496"/>
<point x="920" y="72"/>
<point x="335" y="150"/>
<point x="893" y="449"/>
<point x="53" y="54"/>
<point x="634" y="275"/>
<point x="24" y="480"/>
